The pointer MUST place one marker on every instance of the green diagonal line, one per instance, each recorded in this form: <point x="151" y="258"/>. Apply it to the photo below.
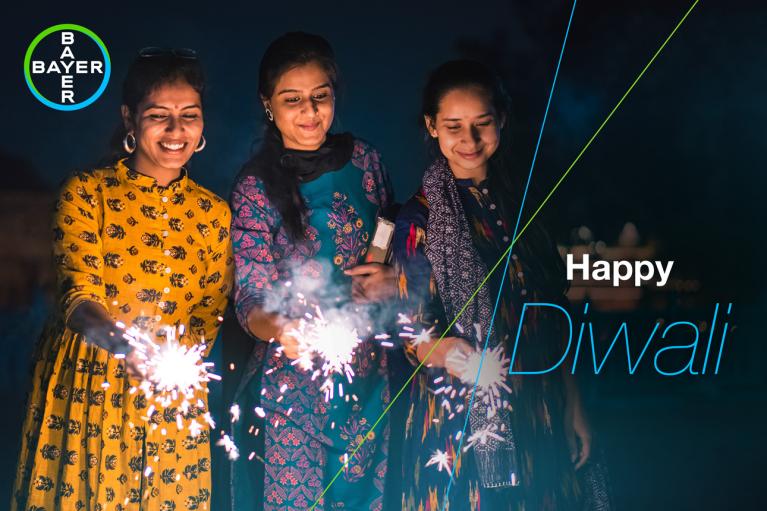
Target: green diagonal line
<point x="505" y="253"/>
<point x="577" y="158"/>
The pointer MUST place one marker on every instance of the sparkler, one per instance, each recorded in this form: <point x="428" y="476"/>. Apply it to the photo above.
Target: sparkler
<point x="491" y="381"/>
<point x="172" y="373"/>
<point x="331" y="344"/>
<point x="172" y="376"/>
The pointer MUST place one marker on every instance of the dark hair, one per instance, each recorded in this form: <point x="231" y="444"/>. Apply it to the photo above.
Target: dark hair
<point x="145" y="75"/>
<point x="535" y="246"/>
<point x="280" y="183"/>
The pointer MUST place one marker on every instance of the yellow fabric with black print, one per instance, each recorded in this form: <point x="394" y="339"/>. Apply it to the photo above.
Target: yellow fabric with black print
<point x="153" y="256"/>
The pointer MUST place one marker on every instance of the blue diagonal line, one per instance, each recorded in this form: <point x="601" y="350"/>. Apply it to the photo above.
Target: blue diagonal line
<point x="508" y="257"/>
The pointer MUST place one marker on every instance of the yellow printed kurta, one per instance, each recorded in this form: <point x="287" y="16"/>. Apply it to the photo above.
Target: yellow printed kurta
<point x="153" y="256"/>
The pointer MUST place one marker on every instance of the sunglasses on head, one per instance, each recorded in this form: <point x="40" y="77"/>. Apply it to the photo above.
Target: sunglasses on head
<point x="156" y="51"/>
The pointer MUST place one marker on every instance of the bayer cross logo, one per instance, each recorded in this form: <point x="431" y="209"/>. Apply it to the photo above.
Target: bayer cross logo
<point x="67" y="67"/>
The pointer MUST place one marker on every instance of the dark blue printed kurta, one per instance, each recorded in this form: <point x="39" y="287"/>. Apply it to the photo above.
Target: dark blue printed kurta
<point x="547" y="479"/>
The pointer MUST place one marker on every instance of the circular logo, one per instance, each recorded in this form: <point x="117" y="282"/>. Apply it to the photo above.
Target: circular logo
<point x="66" y="79"/>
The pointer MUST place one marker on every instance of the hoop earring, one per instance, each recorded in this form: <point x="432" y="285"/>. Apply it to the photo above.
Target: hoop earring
<point x="201" y="146"/>
<point x="129" y="147"/>
<point x="269" y="115"/>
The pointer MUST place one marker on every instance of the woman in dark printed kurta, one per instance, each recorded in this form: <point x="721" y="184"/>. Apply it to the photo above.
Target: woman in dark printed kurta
<point x="539" y="414"/>
<point x="304" y="211"/>
<point x="447" y="237"/>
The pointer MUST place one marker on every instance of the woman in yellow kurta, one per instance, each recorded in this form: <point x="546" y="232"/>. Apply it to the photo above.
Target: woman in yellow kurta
<point x="141" y="243"/>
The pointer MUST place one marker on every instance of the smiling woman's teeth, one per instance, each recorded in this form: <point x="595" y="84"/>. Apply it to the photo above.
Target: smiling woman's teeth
<point x="172" y="147"/>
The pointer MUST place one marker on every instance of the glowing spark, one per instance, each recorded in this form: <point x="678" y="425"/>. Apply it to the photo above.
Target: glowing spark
<point x="441" y="459"/>
<point x="229" y="447"/>
<point x="424" y="336"/>
<point x="194" y="428"/>
<point x="234" y="410"/>
<point x="482" y="436"/>
<point x="418" y="339"/>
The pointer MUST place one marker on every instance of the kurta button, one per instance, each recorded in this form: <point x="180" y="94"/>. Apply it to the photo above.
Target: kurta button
<point x="165" y="215"/>
<point x="492" y="206"/>
<point x="506" y="239"/>
<point x="157" y="318"/>
<point x="485" y="191"/>
<point x="166" y="290"/>
<point x="161" y="304"/>
<point x="166" y="252"/>
<point x="165" y="199"/>
<point x="499" y="222"/>
<point x="167" y="269"/>
<point x="164" y="234"/>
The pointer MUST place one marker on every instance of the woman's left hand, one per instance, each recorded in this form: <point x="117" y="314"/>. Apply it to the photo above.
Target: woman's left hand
<point x="372" y="282"/>
<point x="578" y="433"/>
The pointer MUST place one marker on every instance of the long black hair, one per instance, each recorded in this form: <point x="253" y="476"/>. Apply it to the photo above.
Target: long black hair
<point x="149" y="71"/>
<point x="535" y="246"/>
<point x="281" y="183"/>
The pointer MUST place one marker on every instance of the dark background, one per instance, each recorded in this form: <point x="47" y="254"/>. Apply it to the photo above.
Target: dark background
<point x="682" y="159"/>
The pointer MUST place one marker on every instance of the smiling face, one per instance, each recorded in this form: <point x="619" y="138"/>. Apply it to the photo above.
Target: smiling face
<point x="168" y="125"/>
<point x="468" y="130"/>
<point x="303" y="105"/>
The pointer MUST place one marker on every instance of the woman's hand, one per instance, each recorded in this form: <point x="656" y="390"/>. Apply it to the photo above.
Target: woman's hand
<point x="372" y="282"/>
<point x="287" y="339"/>
<point x="269" y="326"/>
<point x="132" y="363"/>
<point x="447" y="354"/>
<point x="577" y="432"/>
<point x="92" y="321"/>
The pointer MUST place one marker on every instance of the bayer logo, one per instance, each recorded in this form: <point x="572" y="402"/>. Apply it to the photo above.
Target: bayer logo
<point x="67" y="67"/>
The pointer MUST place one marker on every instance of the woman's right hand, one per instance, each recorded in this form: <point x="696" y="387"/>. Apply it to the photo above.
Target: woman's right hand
<point x="286" y="338"/>
<point x="444" y="351"/>
<point x="93" y="322"/>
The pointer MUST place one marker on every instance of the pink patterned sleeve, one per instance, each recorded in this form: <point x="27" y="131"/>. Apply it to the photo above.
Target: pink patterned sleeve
<point x="254" y="226"/>
<point x="375" y="178"/>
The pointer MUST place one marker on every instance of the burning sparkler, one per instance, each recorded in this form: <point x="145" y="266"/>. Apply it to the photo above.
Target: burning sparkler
<point x="491" y="381"/>
<point x="173" y="373"/>
<point x="329" y="343"/>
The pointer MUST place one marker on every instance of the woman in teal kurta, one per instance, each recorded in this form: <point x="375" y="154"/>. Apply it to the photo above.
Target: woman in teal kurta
<point x="299" y="438"/>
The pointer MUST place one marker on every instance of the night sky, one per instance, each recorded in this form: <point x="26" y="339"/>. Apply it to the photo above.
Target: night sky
<point x="684" y="147"/>
<point x="683" y="158"/>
